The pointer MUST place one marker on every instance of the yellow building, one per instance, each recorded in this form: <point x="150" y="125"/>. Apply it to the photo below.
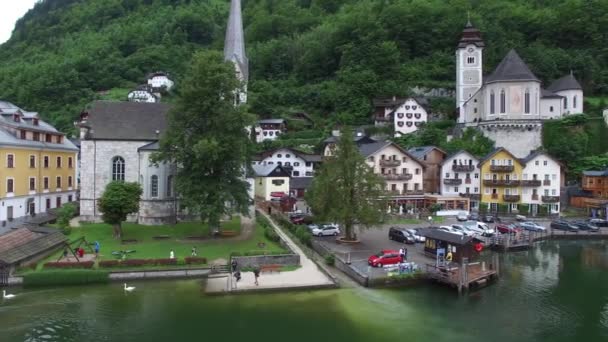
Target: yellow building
<point x="501" y="174"/>
<point x="38" y="165"/>
<point x="271" y="182"/>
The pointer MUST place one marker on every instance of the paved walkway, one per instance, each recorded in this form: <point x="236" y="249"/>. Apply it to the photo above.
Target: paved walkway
<point x="307" y="276"/>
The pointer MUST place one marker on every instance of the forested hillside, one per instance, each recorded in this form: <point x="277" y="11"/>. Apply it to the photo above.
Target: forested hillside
<point x="326" y="57"/>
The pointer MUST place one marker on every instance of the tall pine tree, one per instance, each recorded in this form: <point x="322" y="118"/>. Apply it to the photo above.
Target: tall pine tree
<point x="346" y="190"/>
<point x="208" y="141"/>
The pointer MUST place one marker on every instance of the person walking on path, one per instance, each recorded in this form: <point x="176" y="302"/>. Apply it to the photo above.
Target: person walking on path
<point x="194" y="251"/>
<point x="402" y="254"/>
<point x="97" y="247"/>
<point x="256" y="274"/>
<point x="405" y="254"/>
<point x="171" y="255"/>
<point x="234" y="265"/>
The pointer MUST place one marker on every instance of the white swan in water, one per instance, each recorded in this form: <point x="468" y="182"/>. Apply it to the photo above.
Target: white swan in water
<point x="7" y="296"/>
<point x="129" y="288"/>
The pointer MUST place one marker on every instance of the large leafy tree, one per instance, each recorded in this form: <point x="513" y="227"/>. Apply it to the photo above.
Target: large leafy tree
<point x="346" y="190"/>
<point x="118" y="200"/>
<point x="208" y="140"/>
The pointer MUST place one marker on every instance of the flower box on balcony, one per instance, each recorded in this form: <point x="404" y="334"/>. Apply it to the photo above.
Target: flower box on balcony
<point x="502" y="168"/>
<point x="511" y="198"/>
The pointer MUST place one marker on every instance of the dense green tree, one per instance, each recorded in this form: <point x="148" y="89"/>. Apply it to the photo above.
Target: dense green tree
<point x="118" y="200"/>
<point x="346" y="190"/>
<point x="208" y="140"/>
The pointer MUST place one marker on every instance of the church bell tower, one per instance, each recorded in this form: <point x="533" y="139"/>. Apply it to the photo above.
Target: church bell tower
<point x="469" y="62"/>
<point x="234" y="50"/>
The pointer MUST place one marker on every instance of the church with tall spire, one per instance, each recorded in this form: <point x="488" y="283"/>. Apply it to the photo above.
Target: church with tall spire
<point x="234" y="49"/>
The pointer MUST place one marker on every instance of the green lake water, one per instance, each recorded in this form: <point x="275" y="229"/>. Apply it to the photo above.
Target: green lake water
<point x="556" y="292"/>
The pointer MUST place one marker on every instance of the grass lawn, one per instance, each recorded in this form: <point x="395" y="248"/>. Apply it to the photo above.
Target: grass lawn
<point x="149" y="248"/>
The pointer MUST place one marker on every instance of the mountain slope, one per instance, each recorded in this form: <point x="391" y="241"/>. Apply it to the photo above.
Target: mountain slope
<point x="326" y="57"/>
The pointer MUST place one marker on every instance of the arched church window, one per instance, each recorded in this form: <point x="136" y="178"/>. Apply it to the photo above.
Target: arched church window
<point x="565" y="102"/>
<point x="527" y="101"/>
<point x="492" y="102"/>
<point x="169" y="186"/>
<point x="118" y="169"/>
<point x="154" y="186"/>
<point x="574" y="102"/>
<point x="503" y="102"/>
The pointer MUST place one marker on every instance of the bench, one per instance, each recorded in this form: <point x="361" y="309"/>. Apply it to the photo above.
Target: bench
<point x="228" y="233"/>
<point x="270" y="268"/>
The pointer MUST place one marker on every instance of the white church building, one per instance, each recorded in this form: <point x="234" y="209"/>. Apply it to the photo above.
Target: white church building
<point x="118" y="139"/>
<point x="510" y="104"/>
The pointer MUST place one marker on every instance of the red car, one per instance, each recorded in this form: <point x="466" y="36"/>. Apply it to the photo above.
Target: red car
<point x="385" y="257"/>
<point x="508" y="228"/>
<point x="297" y="219"/>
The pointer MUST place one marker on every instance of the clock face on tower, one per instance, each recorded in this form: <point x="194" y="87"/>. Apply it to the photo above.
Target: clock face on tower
<point x="471" y="49"/>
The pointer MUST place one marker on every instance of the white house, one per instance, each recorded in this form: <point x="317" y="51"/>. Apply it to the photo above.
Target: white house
<point x="160" y="81"/>
<point x="271" y="182"/>
<point x="269" y="129"/>
<point x="297" y="163"/>
<point x="541" y="182"/>
<point x="460" y="176"/>
<point x="510" y="104"/>
<point x="406" y="114"/>
<point x="143" y="93"/>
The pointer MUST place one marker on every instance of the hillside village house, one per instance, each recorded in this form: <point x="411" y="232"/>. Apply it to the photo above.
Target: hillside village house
<point x="510" y="104"/>
<point x="432" y="157"/>
<point x="329" y="144"/>
<point x="298" y="163"/>
<point x="160" y="81"/>
<point x="269" y="129"/>
<point x="143" y="93"/>
<point x="39" y="165"/>
<point x="405" y="114"/>
<point x="271" y="182"/>
<point x="594" y="195"/>
<point x="461" y="177"/>
<point x="528" y="186"/>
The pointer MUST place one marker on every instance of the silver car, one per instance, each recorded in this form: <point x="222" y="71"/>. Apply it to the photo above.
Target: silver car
<point x="531" y="226"/>
<point x="417" y="237"/>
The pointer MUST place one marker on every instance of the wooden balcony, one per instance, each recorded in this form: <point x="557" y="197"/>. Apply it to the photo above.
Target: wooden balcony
<point x="502" y="168"/>
<point x="501" y="182"/>
<point x="452" y="181"/>
<point x="474" y="197"/>
<point x="550" y="199"/>
<point x="390" y="163"/>
<point x="546" y="182"/>
<point x="398" y="176"/>
<point x="511" y="198"/>
<point x="463" y="168"/>
<point x="534" y="182"/>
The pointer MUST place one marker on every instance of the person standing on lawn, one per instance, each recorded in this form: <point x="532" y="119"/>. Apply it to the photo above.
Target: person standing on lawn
<point x="194" y="251"/>
<point x="97" y="246"/>
<point x="171" y="255"/>
<point x="256" y="274"/>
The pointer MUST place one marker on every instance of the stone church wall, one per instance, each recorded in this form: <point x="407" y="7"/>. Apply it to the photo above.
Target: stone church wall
<point x="517" y="139"/>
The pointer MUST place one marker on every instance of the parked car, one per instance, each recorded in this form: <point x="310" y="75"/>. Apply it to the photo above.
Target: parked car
<point x="599" y="222"/>
<point x="582" y="225"/>
<point x="326" y="230"/>
<point x="508" y="228"/>
<point x="564" y="225"/>
<point x="462" y="216"/>
<point x="520" y="218"/>
<point x="384" y="257"/>
<point x="297" y="219"/>
<point x="533" y="227"/>
<point x="414" y="234"/>
<point x="473" y="217"/>
<point x="463" y="229"/>
<point x="313" y="226"/>
<point x="488" y="219"/>
<point x="479" y="228"/>
<point x="400" y="235"/>
<point x="450" y="230"/>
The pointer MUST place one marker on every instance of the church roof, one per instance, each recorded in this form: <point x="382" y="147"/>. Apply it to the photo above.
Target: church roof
<point x="548" y="94"/>
<point x="127" y="120"/>
<point x="420" y="151"/>
<point x="234" y="45"/>
<point x="470" y="36"/>
<point x="511" y="68"/>
<point x="567" y="82"/>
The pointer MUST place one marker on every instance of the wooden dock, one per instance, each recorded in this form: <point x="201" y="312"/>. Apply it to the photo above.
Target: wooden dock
<point x="466" y="275"/>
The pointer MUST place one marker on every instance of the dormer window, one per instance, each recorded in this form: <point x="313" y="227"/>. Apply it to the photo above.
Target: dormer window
<point x="35" y="121"/>
<point x="59" y="139"/>
<point x="16" y="118"/>
<point x="48" y="137"/>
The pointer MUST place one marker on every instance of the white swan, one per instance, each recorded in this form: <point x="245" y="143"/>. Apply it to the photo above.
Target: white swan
<point x="129" y="288"/>
<point x="7" y="296"/>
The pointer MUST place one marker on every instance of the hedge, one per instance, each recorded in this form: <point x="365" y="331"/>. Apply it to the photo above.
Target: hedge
<point x="83" y="264"/>
<point x="195" y="261"/>
<point x="65" y="277"/>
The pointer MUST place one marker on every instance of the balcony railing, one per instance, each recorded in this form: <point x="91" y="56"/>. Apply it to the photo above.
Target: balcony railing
<point x="535" y="197"/>
<point x="500" y="182"/>
<point x="550" y="199"/>
<point x="533" y="182"/>
<point x="463" y="168"/>
<point x="511" y="198"/>
<point x="546" y="182"/>
<point x="494" y="196"/>
<point x="452" y="181"/>
<point x="502" y="168"/>
<point x="390" y="162"/>
<point x="397" y="176"/>
<point x="414" y="192"/>
<point x="404" y="192"/>
<point x="475" y="197"/>
<point x="467" y="181"/>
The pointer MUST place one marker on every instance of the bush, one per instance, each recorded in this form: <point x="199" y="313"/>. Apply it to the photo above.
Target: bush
<point x="65" y="277"/>
<point x="64" y="215"/>
<point x="84" y="264"/>
<point x="67" y="230"/>
<point x="195" y="261"/>
<point x="108" y="263"/>
<point x="136" y="262"/>
<point x="271" y="234"/>
<point x="330" y="260"/>
<point x="164" y="262"/>
<point x="304" y="235"/>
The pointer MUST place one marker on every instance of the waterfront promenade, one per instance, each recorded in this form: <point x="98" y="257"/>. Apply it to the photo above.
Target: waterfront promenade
<point x="308" y="276"/>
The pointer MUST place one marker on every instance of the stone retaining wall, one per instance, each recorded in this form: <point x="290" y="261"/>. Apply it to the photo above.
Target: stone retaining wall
<point x="172" y="274"/>
<point x="341" y="265"/>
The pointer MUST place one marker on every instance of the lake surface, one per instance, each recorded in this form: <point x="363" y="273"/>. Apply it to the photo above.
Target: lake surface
<point x="556" y="292"/>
